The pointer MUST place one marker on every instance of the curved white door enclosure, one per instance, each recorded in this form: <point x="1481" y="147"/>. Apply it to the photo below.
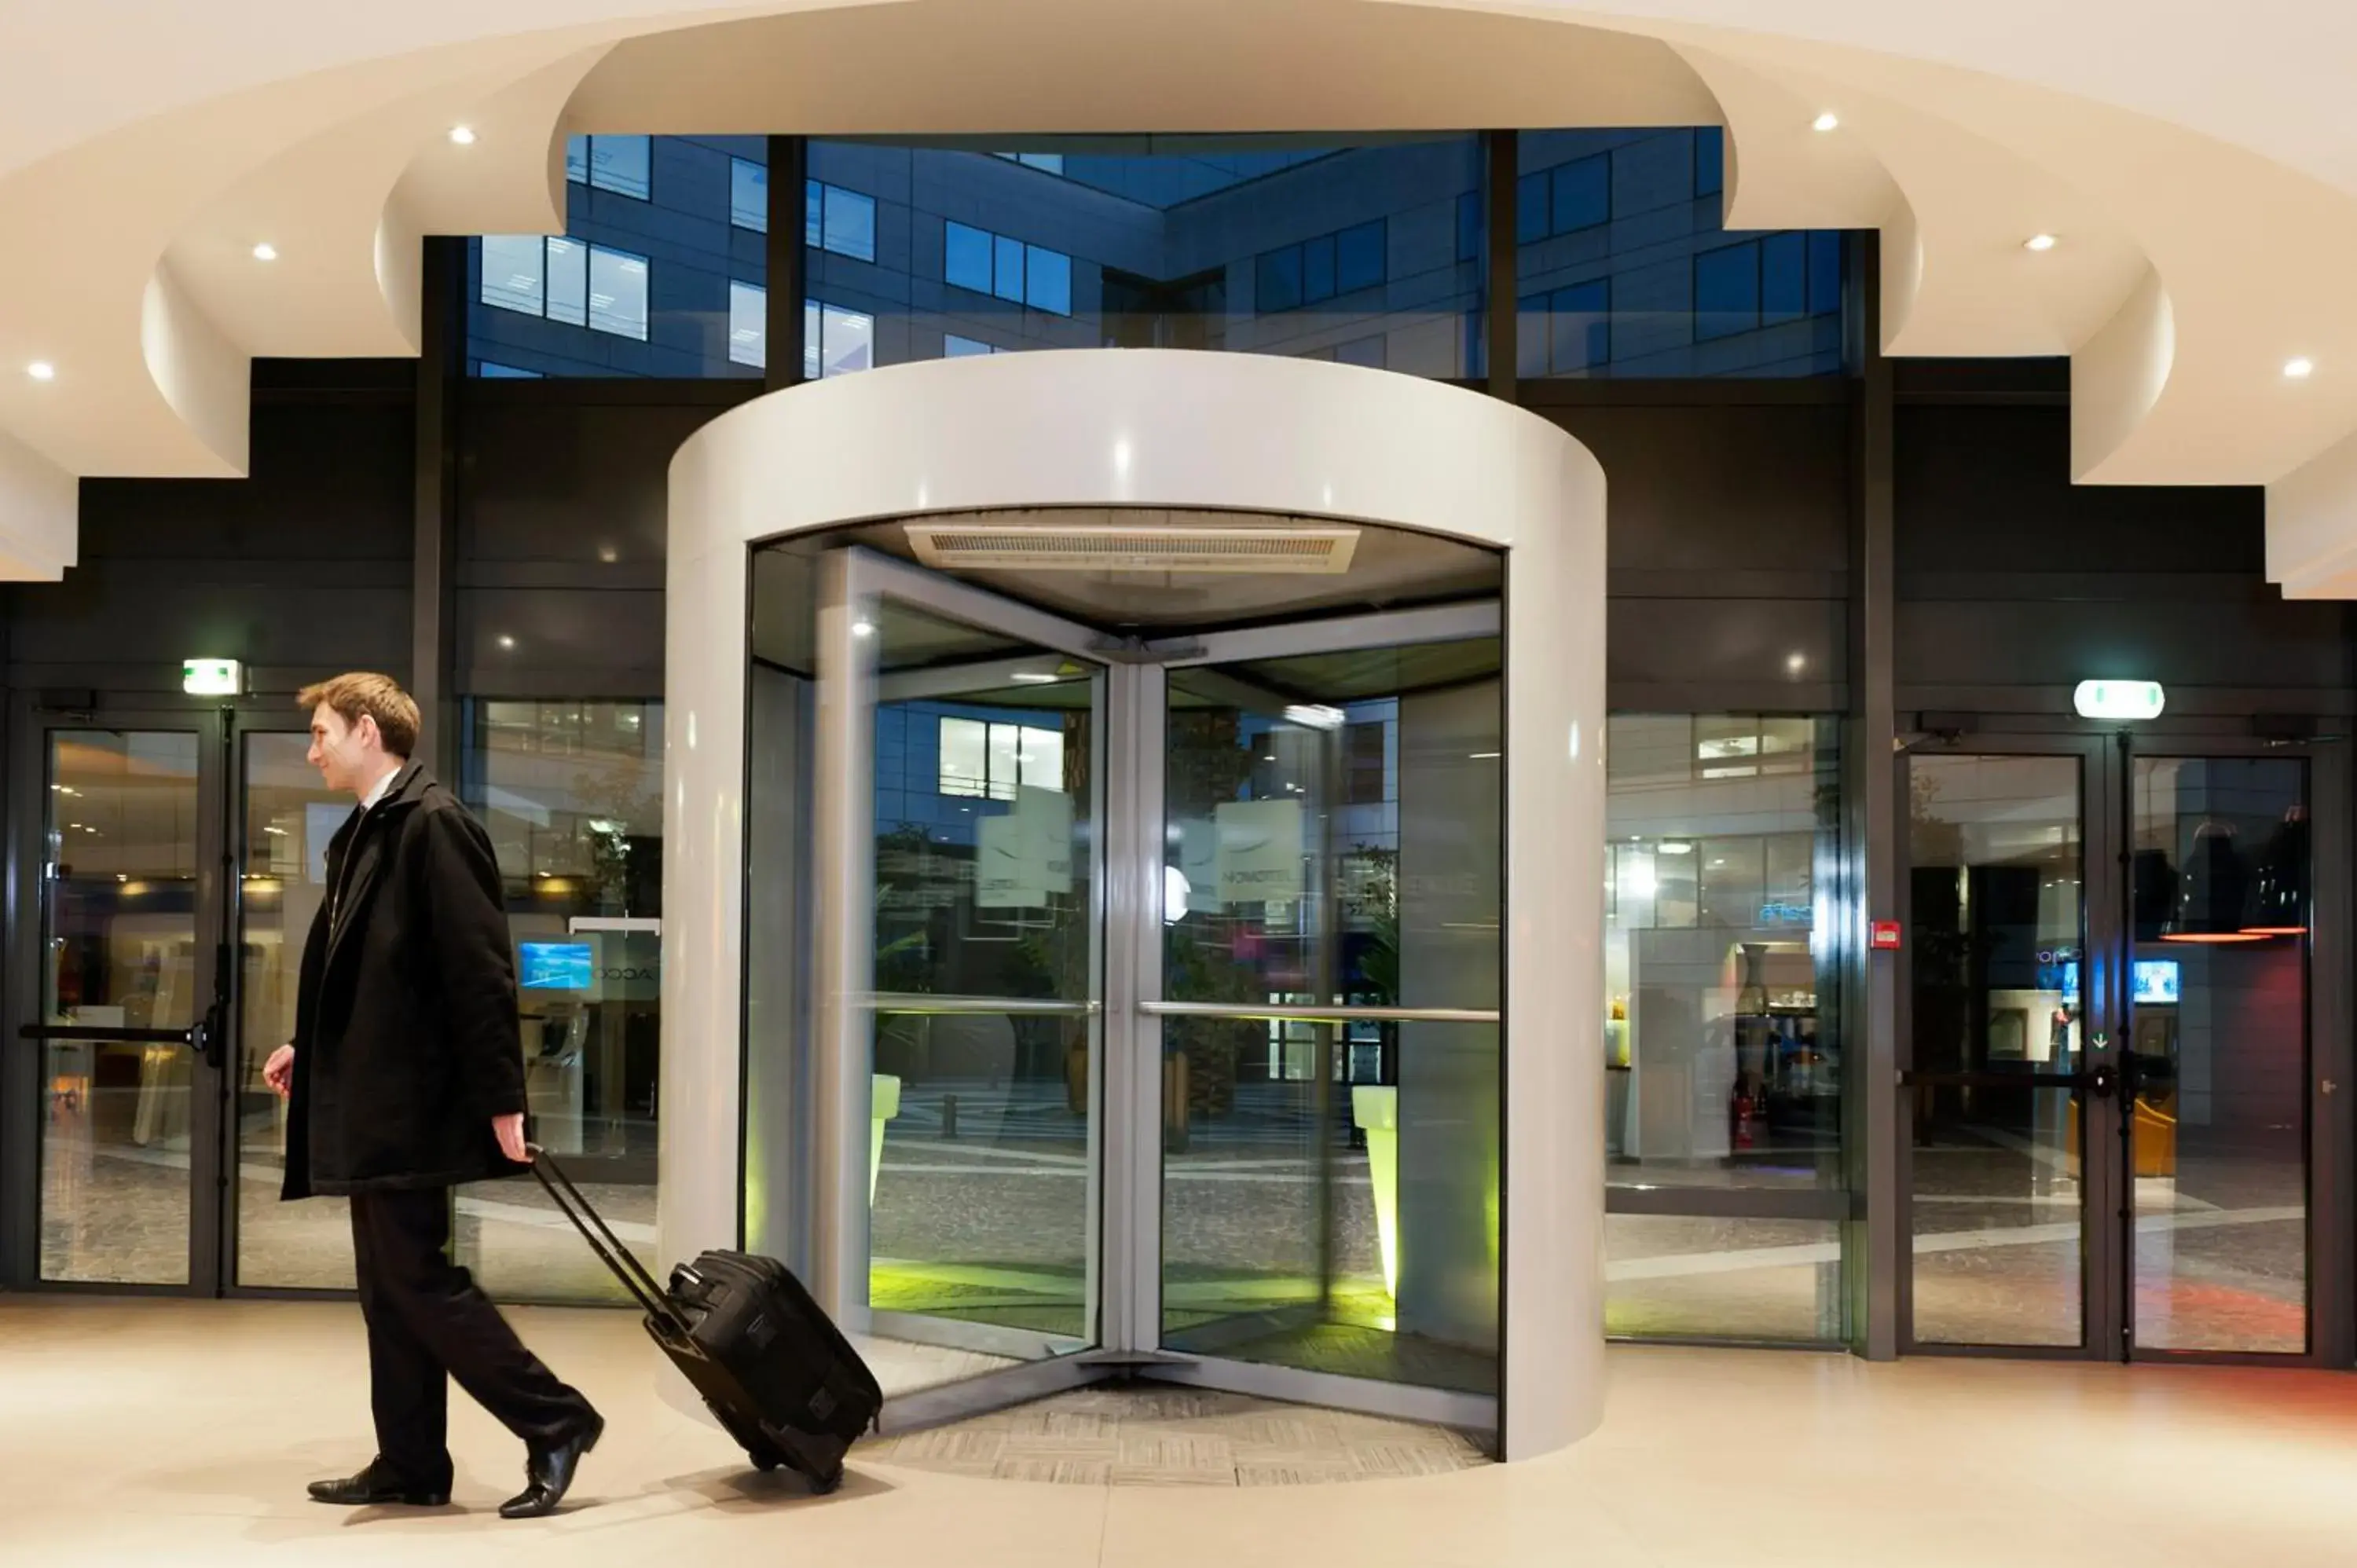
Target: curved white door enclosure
<point x="1167" y="432"/>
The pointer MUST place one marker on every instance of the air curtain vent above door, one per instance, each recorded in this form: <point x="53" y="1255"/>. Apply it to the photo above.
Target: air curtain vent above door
<point x="1049" y="547"/>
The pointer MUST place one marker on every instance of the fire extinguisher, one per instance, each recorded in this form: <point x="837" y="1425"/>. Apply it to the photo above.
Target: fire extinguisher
<point x="1743" y="1109"/>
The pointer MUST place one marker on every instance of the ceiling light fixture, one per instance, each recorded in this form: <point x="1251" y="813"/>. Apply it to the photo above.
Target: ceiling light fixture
<point x="1828" y="121"/>
<point x="266" y="251"/>
<point x="2299" y="369"/>
<point x="463" y="135"/>
<point x="41" y="371"/>
<point x="2039" y="243"/>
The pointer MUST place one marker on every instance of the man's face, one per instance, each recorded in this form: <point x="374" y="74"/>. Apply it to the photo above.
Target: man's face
<point x="345" y="754"/>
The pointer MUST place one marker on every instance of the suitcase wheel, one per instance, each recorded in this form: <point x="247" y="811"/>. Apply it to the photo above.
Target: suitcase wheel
<point x="821" y="1485"/>
<point x="764" y="1460"/>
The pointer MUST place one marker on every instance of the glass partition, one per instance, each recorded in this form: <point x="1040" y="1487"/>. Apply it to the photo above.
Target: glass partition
<point x="985" y="776"/>
<point x="2219" y="1054"/>
<point x="289" y="818"/>
<point x="1332" y="878"/>
<point x="571" y="793"/>
<point x="119" y="950"/>
<point x="1723" y="1059"/>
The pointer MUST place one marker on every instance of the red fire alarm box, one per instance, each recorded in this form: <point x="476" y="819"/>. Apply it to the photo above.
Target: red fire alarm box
<point x="1884" y="937"/>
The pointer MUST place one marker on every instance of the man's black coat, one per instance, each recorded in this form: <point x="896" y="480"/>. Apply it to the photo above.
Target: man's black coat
<point x="406" y="1042"/>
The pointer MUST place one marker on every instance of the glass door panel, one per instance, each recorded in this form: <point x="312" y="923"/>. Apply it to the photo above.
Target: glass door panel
<point x="1997" y="1017"/>
<point x="986" y="965"/>
<point x="2218" y="1053"/>
<point x="120" y="908"/>
<point x="286" y="820"/>
<point x="1331" y="976"/>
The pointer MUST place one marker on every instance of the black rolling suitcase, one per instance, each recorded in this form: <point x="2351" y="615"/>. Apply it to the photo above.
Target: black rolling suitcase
<point x="774" y="1369"/>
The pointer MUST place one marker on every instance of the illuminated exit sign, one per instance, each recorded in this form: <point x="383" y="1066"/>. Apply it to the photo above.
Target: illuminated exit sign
<point x="211" y="677"/>
<point x="2119" y="699"/>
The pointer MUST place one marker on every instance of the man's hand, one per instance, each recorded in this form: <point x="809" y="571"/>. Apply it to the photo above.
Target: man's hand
<point x="278" y="1073"/>
<point x="510" y="1129"/>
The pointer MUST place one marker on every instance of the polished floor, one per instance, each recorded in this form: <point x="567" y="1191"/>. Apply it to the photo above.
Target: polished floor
<point x="180" y="1433"/>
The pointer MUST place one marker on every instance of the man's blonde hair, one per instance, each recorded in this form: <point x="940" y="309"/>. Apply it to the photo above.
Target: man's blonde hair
<point x="378" y="696"/>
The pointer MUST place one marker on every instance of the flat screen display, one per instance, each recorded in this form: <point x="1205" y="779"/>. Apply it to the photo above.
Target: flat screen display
<point x="554" y="966"/>
<point x="2157" y="982"/>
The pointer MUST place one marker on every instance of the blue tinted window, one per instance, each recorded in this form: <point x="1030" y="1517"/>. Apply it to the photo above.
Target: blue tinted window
<point x="967" y="258"/>
<point x="577" y="166"/>
<point x="1824" y="272"/>
<point x="1531" y="210"/>
<point x="1317" y="271"/>
<point x="813" y="214"/>
<point x="1469" y="226"/>
<point x="1008" y="269"/>
<point x="618" y="293"/>
<point x="850" y="224"/>
<point x="1581" y="195"/>
<point x="515" y="271"/>
<point x="1783" y="278"/>
<point x="1710" y="161"/>
<point x="1048" y="281"/>
<point x="749" y="195"/>
<point x="1279" y="284"/>
<point x="956" y="347"/>
<point x="494" y="372"/>
<point x="1364" y="351"/>
<point x="1579" y="326"/>
<point x="1727" y="290"/>
<point x="619" y="164"/>
<point x="1358" y="258"/>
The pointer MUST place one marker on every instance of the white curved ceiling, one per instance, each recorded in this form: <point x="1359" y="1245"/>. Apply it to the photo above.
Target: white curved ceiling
<point x="2205" y="218"/>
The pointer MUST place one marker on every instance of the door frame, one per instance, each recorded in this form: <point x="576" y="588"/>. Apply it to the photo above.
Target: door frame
<point x="1126" y="1084"/>
<point x="22" y="1097"/>
<point x="220" y="729"/>
<point x="2107" y="1214"/>
<point x="844" y="827"/>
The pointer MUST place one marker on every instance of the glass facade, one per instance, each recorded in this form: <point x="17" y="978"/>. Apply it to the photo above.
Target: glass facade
<point x="572" y="794"/>
<point x="1723" y="1055"/>
<point x="660" y="233"/>
<point x="1369" y="254"/>
<point x="1624" y="266"/>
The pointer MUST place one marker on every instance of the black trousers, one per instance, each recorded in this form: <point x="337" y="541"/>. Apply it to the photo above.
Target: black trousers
<point x="429" y="1323"/>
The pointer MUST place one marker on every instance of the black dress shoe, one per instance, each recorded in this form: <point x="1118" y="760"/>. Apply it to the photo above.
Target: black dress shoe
<point x="550" y="1473"/>
<point x="376" y="1486"/>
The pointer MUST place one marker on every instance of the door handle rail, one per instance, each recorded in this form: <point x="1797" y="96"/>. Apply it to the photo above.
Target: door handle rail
<point x="77" y="1034"/>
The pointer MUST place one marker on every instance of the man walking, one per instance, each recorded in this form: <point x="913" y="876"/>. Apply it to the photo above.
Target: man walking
<point x="406" y="1078"/>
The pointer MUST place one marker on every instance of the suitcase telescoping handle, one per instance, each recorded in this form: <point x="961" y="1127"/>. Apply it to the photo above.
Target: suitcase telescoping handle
<point x="602" y="1240"/>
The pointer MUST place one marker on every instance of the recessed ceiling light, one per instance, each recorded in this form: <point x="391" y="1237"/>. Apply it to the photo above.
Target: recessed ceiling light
<point x="464" y="135"/>
<point x="2039" y="243"/>
<point x="266" y="251"/>
<point x="1828" y="121"/>
<point x="506" y="641"/>
<point x="41" y="371"/>
<point x="2299" y="369"/>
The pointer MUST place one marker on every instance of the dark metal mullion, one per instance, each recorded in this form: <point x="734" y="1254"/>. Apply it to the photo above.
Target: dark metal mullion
<point x="441" y="365"/>
<point x="786" y="270"/>
<point x="2332" y="1164"/>
<point x="20" y="1073"/>
<point x="1879" y="1255"/>
<point x="1501" y="339"/>
<point x="207" y="1176"/>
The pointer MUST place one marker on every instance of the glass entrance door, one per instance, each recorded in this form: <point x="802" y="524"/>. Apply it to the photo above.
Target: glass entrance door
<point x="176" y="855"/>
<point x="1158" y="993"/>
<point x="2106" y="1016"/>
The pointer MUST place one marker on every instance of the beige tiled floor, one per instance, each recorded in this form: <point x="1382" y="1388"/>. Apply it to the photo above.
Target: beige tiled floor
<point x="181" y="1432"/>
